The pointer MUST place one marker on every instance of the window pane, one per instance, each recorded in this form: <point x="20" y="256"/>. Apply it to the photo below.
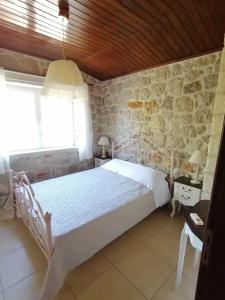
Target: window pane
<point x="56" y="122"/>
<point x="22" y="126"/>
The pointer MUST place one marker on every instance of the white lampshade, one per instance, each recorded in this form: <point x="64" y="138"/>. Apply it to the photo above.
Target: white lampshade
<point x="103" y="141"/>
<point x="63" y="76"/>
<point x="197" y="157"/>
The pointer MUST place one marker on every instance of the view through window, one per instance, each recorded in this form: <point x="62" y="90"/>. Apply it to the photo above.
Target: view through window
<point x="35" y="122"/>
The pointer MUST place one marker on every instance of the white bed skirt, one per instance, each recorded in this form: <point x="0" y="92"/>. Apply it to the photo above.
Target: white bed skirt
<point x="88" y="239"/>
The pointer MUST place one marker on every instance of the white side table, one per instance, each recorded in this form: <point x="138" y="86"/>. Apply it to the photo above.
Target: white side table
<point x="185" y="193"/>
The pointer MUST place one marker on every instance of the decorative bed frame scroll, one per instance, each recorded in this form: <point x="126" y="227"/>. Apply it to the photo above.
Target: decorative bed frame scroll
<point x="28" y="208"/>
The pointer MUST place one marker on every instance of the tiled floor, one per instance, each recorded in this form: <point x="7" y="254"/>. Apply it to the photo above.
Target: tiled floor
<point x="141" y="264"/>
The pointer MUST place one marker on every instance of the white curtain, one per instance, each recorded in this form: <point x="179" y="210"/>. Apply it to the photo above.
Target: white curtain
<point x="4" y="120"/>
<point x="83" y="122"/>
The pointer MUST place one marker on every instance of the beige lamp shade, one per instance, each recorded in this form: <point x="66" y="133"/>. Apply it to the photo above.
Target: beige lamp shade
<point x="63" y="76"/>
<point x="103" y="141"/>
<point x="198" y="157"/>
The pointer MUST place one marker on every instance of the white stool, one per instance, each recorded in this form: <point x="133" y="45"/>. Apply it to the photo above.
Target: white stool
<point x="195" y="242"/>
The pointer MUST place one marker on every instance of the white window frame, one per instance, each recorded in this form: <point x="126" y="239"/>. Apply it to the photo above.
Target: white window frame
<point x="33" y="81"/>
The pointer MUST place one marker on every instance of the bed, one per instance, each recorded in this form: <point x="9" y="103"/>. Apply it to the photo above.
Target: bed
<point x="66" y="214"/>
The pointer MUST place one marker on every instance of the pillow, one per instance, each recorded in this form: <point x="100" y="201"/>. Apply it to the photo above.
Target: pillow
<point x="149" y="177"/>
<point x="136" y="172"/>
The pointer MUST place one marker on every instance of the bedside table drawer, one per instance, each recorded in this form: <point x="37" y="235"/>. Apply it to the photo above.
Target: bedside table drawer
<point x="187" y="195"/>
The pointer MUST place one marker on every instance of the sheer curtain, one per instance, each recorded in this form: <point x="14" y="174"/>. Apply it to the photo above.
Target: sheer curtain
<point x="5" y="198"/>
<point x="82" y="113"/>
<point x="4" y="120"/>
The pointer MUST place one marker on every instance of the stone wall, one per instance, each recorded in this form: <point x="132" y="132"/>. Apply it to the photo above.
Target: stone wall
<point x="47" y="164"/>
<point x="171" y="105"/>
<point x="216" y="130"/>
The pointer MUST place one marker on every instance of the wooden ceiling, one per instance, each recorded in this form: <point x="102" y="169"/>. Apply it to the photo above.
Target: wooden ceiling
<point x="108" y="38"/>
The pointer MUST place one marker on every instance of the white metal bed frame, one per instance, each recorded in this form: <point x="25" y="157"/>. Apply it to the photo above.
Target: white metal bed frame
<point x="29" y="209"/>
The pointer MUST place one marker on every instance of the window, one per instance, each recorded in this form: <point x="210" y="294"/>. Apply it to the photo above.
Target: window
<point x="35" y="122"/>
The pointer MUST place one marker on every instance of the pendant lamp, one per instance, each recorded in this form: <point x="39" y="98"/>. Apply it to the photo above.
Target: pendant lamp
<point x="63" y="76"/>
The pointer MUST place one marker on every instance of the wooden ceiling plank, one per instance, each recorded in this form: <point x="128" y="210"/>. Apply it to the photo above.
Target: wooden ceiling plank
<point x="175" y="21"/>
<point x="187" y="21"/>
<point x="54" y="22"/>
<point x="117" y="54"/>
<point x="155" y="8"/>
<point x="216" y="16"/>
<point x="191" y="9"/>
<point x="55" y="19"/>
<point x="148" y="49"/>
<point x="58" y="26"/>
<point x="94" y="19"/>
<point x="30" y="23"/>
<point x="42" y="40"/>
<point x="21" y="22"/>
<point x="156" y="37"/>
<point x="159" y="28"/>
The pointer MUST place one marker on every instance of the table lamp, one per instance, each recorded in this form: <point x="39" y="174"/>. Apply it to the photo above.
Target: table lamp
<point x="198" y="158"/>
<point x="104" y="141"/>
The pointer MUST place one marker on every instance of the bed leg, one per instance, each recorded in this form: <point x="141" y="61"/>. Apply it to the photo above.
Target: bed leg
<point x="47" y="218"/>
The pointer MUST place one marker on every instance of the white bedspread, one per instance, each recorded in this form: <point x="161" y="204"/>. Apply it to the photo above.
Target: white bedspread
<point x="89" y="210"/>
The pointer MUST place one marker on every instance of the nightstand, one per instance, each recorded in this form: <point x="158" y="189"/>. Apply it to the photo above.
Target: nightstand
<point x="99" y="161"/>
<point x="185" y="193"/>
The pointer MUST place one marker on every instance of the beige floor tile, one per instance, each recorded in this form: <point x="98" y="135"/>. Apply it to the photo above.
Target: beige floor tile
<point x="120" y="247"/>
<point x="150" y="226"/>
<point x="20" y="263"/>
<point x="27" y="289"/>
<point x="14" y="236"/>
<point x="186" y="290"/>
<point x="111" y="286"/>
<point x="65" y="294"/>
<point x="174" y="226"/>
<point x="166" y="246"/>
<point x="87" y="272"/>
<point x="145" y="270"/>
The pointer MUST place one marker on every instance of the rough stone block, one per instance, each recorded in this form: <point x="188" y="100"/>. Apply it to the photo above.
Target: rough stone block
<point x="184" y="104"/>
<point x="151" y="106"/>
<point x="157" y="89"/>
<point x="203" y="115"/>
<point x="175" y="86"/>
<point x="204" y="99"/>
<point x="192" y="87"/>
<point x="167" y="103"/>
<point x="144" y="94"/>
<point x="210" y="81"/>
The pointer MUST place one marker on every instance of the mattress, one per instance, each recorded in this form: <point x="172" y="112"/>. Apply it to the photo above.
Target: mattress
<point x="89" y="210"/>
<point x="79" y="198"/>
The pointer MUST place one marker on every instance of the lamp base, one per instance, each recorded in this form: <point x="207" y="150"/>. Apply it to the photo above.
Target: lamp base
<point x="194" y="181"/>
<point x="103" y="156"/>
